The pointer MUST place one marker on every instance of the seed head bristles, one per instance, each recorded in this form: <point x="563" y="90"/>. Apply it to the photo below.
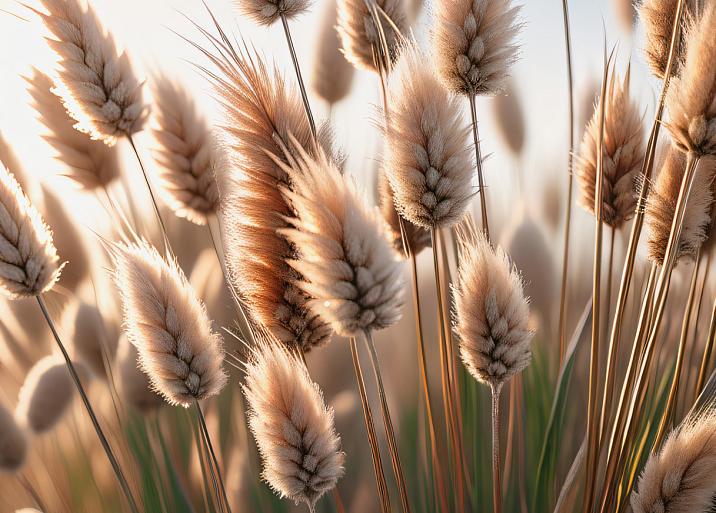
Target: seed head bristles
<point x="268" y="12"/>
<point x="29" y="264"/>
<point x="168" y="325"/>
<point x="260" y="111"/>
<point x="691" y="100"/>
<point x="418" y="238"/>
<point x="91" y="164"/>
<point x="332" y="73"/>
<point x="13" y="443"/>
<point x="293" y="428"/>
<point x="474" y="44"/>
<point x="680" y="477"/>
<point x="98" y="86"/>
<point x="133" y="383"/>
<point x="359" y="34"/>
<point x="428" y="158"/>
<point x="351" y="272"/>
<point x="623" y="155"/>
<point x="491" y="313"/>
<point x="46" y="394"/>
<point x="657" y="16"/>
<point x="186" y="152"/>
<point x="661" y="204"/>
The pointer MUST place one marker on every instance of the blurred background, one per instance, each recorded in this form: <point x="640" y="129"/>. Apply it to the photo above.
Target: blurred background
<point x="526" y="182"/>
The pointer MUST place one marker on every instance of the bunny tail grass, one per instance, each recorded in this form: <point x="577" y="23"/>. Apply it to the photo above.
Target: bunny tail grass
<point x="85" y="400"/>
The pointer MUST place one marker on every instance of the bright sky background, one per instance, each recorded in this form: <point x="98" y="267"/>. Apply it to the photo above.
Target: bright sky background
<point x="144" y="28"/>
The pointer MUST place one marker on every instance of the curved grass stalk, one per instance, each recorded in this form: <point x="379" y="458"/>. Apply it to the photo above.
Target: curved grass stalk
<point x="382" y="487"/>
<point x="299" y="76"/>
<point x="674" y="390"/>
<point x="388" y="424"/>
<point x="708" y="350"/>
<point x="90" y="411"/>
<point x="570" y="179"/>
<point x="478" y="165"/>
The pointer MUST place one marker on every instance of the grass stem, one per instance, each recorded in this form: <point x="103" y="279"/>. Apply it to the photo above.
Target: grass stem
<point x="496" y="486"/>
<point x="299" y="76"/>
<point x="388" y="424"/>
<point x="382" y="487"/>
<point x="708" y="350"/>
<point x="214" y="462"/>
<point x="478" y="165"/>
<point x="90" y="411"/>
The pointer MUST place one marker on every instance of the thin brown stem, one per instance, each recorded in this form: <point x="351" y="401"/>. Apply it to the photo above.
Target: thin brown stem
<point x="592" y="406"/>
<point x="214" y="462"/>
<point x="478" y="164"/>
<point x="388" y="424"/>
<point x="496" y="487"/>
<point x="382" y="487"/>
<point x="299" y="77"/>
<point x="155" y="205"/>
<point x="568" y="216"/>
<point x="90" y="411"/>
<point x="30" y="489"/>
<point x="708" y="350"/>
<point x="448" y="400"/>
<point x="674" y="390"/>
<point x="424" y="380"/>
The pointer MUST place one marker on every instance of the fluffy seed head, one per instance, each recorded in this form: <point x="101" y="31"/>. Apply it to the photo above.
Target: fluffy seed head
<point x="332" y="73"/>
<point x="691" y="100"/>
<point x="491" y="311"/>
<point x="133" y="383"/>
<point x="98" y="86"/>
<point x="360" y="34"/>
<point x="260" y="111"/>
<point x="661" y="204"/>
<point x="428" y="162"/>
<point x="89" y="163"/>
<point x="267" y="12"/>
<point x="46" y="394"/>
<point x="680" y="477"/>
<point x="351" y="272"/>
<point x="13" y="443"/>
<point x="658" y="16"/>
<point x="418" y="237"/>
<point x="168" y="325"/>
<point x="91" y="339"/>
<point x="623" y="154"/>
<point x="29" y="264"/>
<point x="293" y="428"/>
<point x="474" y="44"/>
<point x="186" y="153"/>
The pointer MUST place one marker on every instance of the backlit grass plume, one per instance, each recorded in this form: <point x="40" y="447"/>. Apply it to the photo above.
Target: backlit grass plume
<point x="29" y="264"/>
<point x="186" y="152"/>
<point x="661" y="205"/>
<point x="267" y="12"/>
<point x="623" y="155"/>
<point x="293" y="428"/>
<point x="428" y="160"/>
<point x="490" y="310"/>
<point x="13" y="443"/>
<point x="168" y="325"/>
<point x="680" y="477"/>
<point x="474" y="44"/>
<point x="360" y="36"/>
<point x="332" y="73"/>
<point x="351" y="272"/>
<point x="691" y="100"/>
<point x="417" y="237"/>
<point x="658" y="16"/>
<point x="91" y="164"/>
<point x="260" y="110"/>
<point x="98" y="85"/>
<point x="46" y="394"/>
